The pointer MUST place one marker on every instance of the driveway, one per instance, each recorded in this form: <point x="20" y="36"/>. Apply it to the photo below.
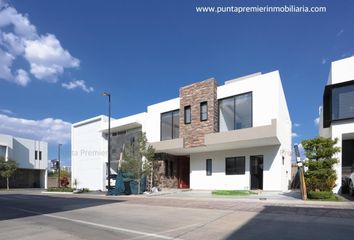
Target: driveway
<point x="32" y="215"/>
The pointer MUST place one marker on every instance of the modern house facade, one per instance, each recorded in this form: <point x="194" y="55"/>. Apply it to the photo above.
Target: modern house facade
<point x="233" y="136"/>
<point x="32" y="161"/>
<point x="337" y="114"/>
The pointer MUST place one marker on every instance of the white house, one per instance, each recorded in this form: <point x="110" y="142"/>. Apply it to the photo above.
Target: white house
<point x="337" y="114"/>
<point x="233" y="136"/>
<point x="32" y="161"/>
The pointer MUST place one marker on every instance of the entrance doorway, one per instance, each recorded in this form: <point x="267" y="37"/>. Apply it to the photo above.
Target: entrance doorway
<point x="183" y="172"/>
<point x="256" y="165"/>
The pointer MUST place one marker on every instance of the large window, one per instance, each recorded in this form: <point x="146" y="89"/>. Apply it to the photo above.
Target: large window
<point x="235" y="112"/>
<point x="170" y="125"/>
<point x="343" y="102"/>
<point x="235" y="165"/>
<point x="338" y="102"/>
<point x="203" y="111"/>
<point x="187" y="115"/>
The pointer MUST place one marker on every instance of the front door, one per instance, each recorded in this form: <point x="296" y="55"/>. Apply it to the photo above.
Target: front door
<point x="183" y="172"/>
<point x="256" y="172"/>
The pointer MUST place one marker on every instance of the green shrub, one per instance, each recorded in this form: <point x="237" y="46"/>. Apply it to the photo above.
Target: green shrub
<point x="320" y="176"/>
<point x="324" y="195"/>
<point x="56" y="189"/>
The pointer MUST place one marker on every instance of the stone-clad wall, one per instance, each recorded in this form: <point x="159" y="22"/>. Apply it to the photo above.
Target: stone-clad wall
<point x="193" y="95"/>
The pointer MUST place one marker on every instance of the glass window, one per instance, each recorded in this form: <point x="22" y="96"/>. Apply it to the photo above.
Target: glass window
<point x="175" y="124"/>
<point x="235" y="165"/>
<point x="209" y="170"/>
<point x="168" y="168"/>
<point x="2" y="151"/>
<point x="235" y="112"/>
<point x="36" y="155"/>
<point x="226" y="114"/>
<point x="243" y="113"/>
<point x="203" y="111"/>
<point x="40" y="155"/>
<point x="343" y="102"/>
<point x="170" y="125"/>
<point x="187" y="115"/>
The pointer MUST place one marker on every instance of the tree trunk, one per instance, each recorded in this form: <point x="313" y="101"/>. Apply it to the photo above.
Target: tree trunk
<point x="7" y="183"/>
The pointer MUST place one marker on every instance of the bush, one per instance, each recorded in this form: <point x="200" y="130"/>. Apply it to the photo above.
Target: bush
<point x="324" y="195"/>
<point x="56" y="189"/>
<point x="320" y="176"/>
<point x="64" y="182"/>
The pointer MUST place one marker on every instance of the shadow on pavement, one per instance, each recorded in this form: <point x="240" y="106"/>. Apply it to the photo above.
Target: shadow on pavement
<point x="279" y="222"/>
<point x="14" y="206"/>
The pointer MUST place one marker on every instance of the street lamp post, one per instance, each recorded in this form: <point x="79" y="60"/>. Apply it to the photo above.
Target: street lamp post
<point x="59" y="145"/>
<point x="106" y="94"/>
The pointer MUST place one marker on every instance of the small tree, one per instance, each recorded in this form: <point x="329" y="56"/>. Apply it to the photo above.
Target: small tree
<point x="7" y="169"/>
<point x="139" y="159"/>
<point x="320" y="152"/>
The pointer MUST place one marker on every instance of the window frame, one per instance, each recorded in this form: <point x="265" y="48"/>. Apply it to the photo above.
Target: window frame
<point x="209" y="172"/>
<point x="205" y="103"/>
<point x="234" y="116"/>
<point x="190" y="114"/>
<point x="227" y="172"/>
<point x="172" y="124"/>
<point x="328" y="102"/>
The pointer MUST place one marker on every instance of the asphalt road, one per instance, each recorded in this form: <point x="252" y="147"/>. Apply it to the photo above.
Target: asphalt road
<point x="38" y="216"/>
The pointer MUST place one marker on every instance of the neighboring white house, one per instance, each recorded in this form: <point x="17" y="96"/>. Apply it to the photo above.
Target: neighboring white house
<point x="31" y="157"/>
<point x="337" y="114"/>
<point x="233" y="136"/>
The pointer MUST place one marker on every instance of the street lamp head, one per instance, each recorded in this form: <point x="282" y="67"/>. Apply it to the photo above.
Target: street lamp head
<point x="106" y="94"/>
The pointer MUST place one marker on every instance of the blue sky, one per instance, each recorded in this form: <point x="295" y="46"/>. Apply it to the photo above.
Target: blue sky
<point x="67" y="52"/>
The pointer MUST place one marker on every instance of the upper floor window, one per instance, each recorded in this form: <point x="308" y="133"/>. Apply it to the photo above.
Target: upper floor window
<point x="40" y="155"/>
<point x="170" y="125"/>
<point x="235" y="112"/>
<point x="36" y="155"/>
<point x="203" y="111"/>
<point x="338" y="102"/>
<point x="187" y="115"/>
<point x="343" y="102"/>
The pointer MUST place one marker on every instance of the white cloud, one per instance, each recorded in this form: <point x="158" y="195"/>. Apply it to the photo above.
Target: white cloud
<point x="297" y="124"/>
<point x="6" y="111"/>
<point x="22" y="77"/>
<point x="6" y="60"/>
<point x="77" y="84"/>
<point x="324" y="60"/>
<point x="19" y="38"/>
<point x="47" y="58"/>
<point x="48" y="129"/>
<point x="20" y="23"/>
<point x="316" y="121"/>
<point x="294" y="134"/>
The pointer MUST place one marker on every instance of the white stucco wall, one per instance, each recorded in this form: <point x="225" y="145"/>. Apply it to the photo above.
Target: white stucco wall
<point x="219" y="180"/>
<point x="89" y="154"/>
<point x="342" y="71"/>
